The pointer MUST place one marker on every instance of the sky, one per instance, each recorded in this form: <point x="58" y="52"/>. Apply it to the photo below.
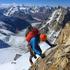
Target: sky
<point x="38" y="2"/>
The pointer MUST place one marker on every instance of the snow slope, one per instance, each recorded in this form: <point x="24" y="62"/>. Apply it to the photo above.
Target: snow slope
<point x="7" y="54"/>
<point x="7" y="66"/>
<point x="23" y="62"/>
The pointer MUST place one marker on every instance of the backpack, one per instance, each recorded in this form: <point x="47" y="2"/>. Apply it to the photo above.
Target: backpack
<point x="34" y="32"/>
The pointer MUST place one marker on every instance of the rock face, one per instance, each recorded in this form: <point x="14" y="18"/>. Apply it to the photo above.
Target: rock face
<point x="55" y="22"/>
<point x="57" y="58"/>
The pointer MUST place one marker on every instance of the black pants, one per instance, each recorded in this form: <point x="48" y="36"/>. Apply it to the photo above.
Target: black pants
<point x="32" y="54"/>
<point x="30" y="59"/>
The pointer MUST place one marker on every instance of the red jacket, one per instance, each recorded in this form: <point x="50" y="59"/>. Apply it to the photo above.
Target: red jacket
<point x="32" y="34"/>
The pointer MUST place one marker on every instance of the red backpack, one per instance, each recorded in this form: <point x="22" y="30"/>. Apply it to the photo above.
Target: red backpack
<point x="32" y="34"/>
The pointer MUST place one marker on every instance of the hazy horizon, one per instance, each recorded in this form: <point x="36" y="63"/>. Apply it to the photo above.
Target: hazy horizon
<point x="65" y="3"/>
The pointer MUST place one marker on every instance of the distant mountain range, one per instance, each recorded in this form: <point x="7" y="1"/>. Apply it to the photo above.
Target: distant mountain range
<point x="15" y="19"/>
<point x="18" y="17"/>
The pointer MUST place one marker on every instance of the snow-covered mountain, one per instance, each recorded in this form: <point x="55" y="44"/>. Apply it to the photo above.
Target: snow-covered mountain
<point x="17" y="17"/>
<point x="14" y="9"/>
<point x="9" y="25"/>
<point x="21" y="8"/>
<point x="29" y="12"/>
<point x="56" y="19"/>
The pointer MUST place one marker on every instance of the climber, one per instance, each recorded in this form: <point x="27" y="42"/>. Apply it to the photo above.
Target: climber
<point x="32" y="37"/>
